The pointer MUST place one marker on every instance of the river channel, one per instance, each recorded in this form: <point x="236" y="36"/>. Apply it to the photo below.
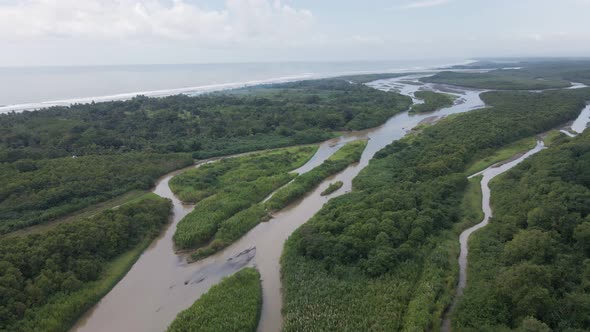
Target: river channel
<point x="161" y="284"/>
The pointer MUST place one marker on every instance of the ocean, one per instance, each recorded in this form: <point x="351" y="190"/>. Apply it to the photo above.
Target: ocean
<point x="27" y="88"/>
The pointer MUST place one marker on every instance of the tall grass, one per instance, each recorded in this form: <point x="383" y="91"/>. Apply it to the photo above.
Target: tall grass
<point x="232" y="228"/>
<point x="227" y="187"/>
<point x="347" y="155"/>
<point x="232" y="305"/>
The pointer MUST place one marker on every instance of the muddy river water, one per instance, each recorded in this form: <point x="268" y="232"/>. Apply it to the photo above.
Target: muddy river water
<point x="487" y="175"/>
<point x="161" y="284"/>
<point x="577" y="127"/>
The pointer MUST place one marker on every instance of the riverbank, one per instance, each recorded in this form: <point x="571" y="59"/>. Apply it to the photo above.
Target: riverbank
<point x="86" y="259"/>
<point x="486" y="176"/>
<point x="81" y="214"/>
<point x="379" y="258"/>
<point x="524" y="267"/>
<point x="173" y="285"/>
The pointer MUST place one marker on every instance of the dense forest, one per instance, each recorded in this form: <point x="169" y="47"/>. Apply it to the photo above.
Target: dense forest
<point x="37" y="191"/>
<point x="571" y="70"/>
<point x="233" y="305"/>
<point x="58" y="160"/>
<point x="207" y="125"/>
<point x="432" y="101"/>
<point x="384" y="259"/>
<point x="523" y="75"/>
<point x="380" y="258"/>
<point x="48" y="280"/>
<point x="530" y="268"/>
<point x="499" y="79"/>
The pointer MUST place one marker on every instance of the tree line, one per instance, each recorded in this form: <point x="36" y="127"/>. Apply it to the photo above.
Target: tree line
<point x="37" y="191"/>
<point x="206" y="125"/>
<point x="383" y="256"/>
<point x="48" y="280"/>
<point x="530" y="268"/>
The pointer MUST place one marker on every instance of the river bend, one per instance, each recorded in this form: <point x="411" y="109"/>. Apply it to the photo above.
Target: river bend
<point x="161" y="284"/>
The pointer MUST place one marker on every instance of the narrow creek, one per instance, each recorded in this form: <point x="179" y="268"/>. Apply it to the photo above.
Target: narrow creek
<point x="577" y="127"/>
<point x="161" y="284"/>
<point x="487" y="175"/>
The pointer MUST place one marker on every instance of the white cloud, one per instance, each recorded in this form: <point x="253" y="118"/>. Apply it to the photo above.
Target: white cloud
<point x="239" y="21"/>
<point x="368" y="39"/>
<point x="536" y="37"/>
<point x="422" y="4"/>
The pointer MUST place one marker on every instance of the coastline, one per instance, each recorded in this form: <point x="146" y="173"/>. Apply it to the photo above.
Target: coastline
<point x="201" y="89"/>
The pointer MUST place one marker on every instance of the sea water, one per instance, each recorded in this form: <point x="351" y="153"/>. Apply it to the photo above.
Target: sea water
<point x="27" y="88"/>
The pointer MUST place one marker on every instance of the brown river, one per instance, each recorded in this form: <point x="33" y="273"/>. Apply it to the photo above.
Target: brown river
<point x="577" y="127"/>
<point x="161" y="284"/>
<point x="487" y="175"/>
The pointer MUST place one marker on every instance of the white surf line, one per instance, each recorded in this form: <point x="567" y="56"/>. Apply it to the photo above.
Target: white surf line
<point x="214" y="87"/>
<point x="153" y="93"/>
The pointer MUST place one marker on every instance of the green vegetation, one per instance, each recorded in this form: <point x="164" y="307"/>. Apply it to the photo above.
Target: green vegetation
<point x="37" y="191"/>
<point x="383" y="257"/>
<point x="302" y="184"/>
<point x="332" y="188"/>
<point x="48" y="280"/>
<point x="499" y="79"/>
<point x="234" y="225"/>
<point x="432" y="101"/>
<point x="504" y="153"/>
<point x="59" y="160"/>
<point x="224" y="188"/>
<point x="533" y="75"/>
<point x="570" y="70"/>
<point x="196" y="184"/>
<point x="366" y="78"/>
<point x="232" y="305"/>
<point x="471" y="212"/>
<point x="206" y="125"/>
<point x="380" y="258"/>
<point x="531" y="265"/>
<point x="87" y="212"/>
<point x="554" y="136"/>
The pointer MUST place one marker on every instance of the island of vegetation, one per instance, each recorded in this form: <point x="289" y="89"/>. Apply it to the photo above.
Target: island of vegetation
<point x="231" y="193"/>
<point x="225" y="188"/>
<point x="348" y="154"/>
<point x="233" y="305"/>
<point x="332" y="188"/>
<point x="432" y="101"/>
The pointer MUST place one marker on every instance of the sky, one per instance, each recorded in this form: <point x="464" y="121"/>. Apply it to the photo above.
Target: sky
<point x="105" y="32"/>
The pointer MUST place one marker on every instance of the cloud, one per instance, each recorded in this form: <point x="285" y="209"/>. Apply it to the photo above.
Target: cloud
<point x="416" y="4"/>
<point x="239" y="21"/>
<point x="536" y="37"/>
<point x="371" y="39"/>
